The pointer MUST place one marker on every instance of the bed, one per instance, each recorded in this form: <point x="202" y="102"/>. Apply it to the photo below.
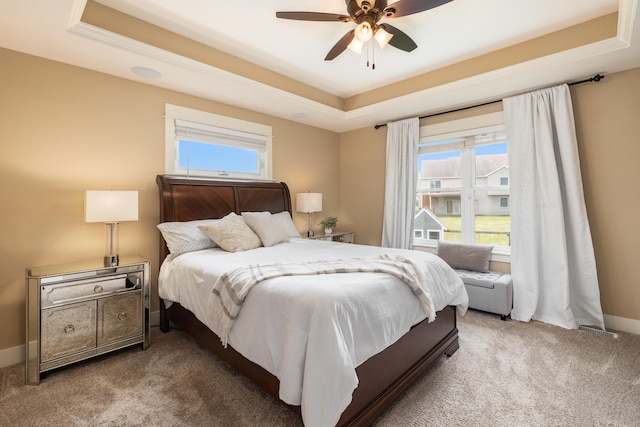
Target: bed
<point x="380" y="379"/>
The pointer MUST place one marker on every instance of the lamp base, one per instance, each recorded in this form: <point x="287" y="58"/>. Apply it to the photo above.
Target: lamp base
<point x="111" y="260"/>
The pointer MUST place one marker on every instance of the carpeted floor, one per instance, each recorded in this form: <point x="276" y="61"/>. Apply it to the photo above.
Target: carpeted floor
<point x="504" y="374"/>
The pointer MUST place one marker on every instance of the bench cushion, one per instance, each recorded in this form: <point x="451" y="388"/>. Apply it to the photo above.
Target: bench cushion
<point x="475" y="278"/>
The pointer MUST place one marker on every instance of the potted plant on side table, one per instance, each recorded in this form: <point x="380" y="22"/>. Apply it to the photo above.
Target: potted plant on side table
<point x="328" y="223"/>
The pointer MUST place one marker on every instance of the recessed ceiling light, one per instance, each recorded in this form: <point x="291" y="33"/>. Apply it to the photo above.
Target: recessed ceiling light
<point x="149" y="73"/>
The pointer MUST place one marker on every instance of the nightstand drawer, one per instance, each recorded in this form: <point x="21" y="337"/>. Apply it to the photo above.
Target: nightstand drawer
<point x="81" y="289"/>
<point x="341" y="236"/>
<point x="119" y="317"/>
<point x="68" y="329"/>
<point x="345" y="238"/>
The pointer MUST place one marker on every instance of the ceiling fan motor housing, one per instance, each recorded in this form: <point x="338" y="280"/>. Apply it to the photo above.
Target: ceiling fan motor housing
<point x="358" y="8"/>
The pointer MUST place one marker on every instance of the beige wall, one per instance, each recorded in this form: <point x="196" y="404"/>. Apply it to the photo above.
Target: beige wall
<point x="608" y="126"/>
<point x="66" y="130"/>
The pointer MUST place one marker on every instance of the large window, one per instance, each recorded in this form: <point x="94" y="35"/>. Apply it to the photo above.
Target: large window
<point x="206" y="144"/>
<point x="471" y="163"/>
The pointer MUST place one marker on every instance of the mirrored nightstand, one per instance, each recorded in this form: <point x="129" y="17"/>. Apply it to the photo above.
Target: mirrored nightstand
<point x="77" y="311"/>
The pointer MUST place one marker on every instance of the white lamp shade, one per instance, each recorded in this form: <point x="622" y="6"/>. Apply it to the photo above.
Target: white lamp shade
<point x="382" y="37"/>
<point x="355" y="45"/>
<point x="363" y="32"/>
<point x="309" y="202"/>
<point x="111" y="206"/>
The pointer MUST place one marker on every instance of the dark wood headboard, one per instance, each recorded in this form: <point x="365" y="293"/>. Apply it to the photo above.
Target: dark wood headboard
<point x="188" y="199"/>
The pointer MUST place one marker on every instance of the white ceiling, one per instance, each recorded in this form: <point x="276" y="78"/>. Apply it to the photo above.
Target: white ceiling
<point x="445" y="35"/>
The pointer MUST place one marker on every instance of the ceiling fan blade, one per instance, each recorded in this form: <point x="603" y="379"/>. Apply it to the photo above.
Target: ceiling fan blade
<point x="313" y="16"/>
<point x="409" y="7"/>
<point x="339" y="47"/>
<point x="400" y="39"/>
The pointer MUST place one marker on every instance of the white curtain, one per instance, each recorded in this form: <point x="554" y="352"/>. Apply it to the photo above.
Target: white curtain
<point x="400" y="184"/>
<point x="552" y="260"/>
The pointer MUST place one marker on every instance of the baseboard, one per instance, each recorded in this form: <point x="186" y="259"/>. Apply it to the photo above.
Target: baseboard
<point x="11" y="356"/>
<point x="15" y="355"/>
<point x="154" y="318"/>
<point x="622" y="324"/>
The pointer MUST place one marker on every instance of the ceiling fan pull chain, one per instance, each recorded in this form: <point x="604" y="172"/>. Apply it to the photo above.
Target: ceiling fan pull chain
<point x="367" y="47"/>
<point x="373" y="56"/>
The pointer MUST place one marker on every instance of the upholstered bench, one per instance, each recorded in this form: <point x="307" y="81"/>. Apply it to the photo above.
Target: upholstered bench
<point x="489" y="291"/>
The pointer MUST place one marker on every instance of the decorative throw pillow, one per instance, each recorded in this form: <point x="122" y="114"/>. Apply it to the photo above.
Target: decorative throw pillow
<point x="182" y="237"/>
<point x="266" y="227"/>
<point x="232" y="234"/>
<point x="284" y="219"/>
<point x="465" y="257"/>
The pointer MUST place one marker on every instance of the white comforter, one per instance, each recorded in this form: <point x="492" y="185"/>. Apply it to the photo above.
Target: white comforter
<point x="312" y="330"/>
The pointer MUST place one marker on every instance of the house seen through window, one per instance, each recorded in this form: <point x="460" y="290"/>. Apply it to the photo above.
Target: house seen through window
<point x="470" y="204"/>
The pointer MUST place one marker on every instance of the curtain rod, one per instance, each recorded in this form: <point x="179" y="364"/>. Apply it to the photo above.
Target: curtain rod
<point x="595" y="78"/>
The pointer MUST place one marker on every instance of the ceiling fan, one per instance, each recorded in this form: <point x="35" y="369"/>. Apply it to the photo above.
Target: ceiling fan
<point x="366" y="14"/>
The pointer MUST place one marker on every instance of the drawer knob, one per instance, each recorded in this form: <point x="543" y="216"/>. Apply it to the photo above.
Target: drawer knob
<point x="122" y="316"/>
<point x="97" y="289"/>
<point x="69" y="329"/>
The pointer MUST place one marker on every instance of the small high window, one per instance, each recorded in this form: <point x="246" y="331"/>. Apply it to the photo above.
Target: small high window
<point x="205" y="144"/>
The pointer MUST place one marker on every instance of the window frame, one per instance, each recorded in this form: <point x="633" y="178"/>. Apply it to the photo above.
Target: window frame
<point x="224" y="126"/>
<point x="457" y="130"/>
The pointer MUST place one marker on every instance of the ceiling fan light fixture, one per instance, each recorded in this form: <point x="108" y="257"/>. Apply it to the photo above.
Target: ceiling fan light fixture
<point x="355" y="46"/>
<point x="363" y="32"/>
<point x="365" y="14"/>
<point x="382" y="37"/>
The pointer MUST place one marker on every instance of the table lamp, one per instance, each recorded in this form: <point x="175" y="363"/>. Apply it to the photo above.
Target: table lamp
<point x="111" y="207"/>
<point x="309" y="203"/>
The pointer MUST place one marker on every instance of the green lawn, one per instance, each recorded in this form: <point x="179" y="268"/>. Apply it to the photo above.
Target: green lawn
<point x="490" y="230"/>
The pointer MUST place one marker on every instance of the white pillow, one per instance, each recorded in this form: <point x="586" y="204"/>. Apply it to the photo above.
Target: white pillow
<point x="232" y="234"/>
<point x="182" y="237"/>
<point x="284" y="219"/>
<point x="266" y="227"/>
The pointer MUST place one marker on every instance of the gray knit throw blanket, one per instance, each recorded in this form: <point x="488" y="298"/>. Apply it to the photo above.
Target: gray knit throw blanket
<point x="232" y="288"/>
